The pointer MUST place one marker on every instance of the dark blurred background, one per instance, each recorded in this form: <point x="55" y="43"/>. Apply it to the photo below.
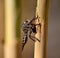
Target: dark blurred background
<point x="54" y="29"/>
<point x="28" y="12"/>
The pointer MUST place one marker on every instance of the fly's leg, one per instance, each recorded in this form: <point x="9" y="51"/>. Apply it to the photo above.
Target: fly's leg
<point x="37" y="39"/>
<point x="33" y="38"/>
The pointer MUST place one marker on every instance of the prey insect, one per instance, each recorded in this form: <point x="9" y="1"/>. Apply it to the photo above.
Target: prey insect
<point x="29" y="27"/>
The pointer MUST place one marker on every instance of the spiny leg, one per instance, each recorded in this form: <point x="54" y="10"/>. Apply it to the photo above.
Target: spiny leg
<point x="33" y="38"/>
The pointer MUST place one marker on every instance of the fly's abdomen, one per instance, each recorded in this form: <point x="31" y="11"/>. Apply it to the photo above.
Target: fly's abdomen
<point x="24" y="40"/>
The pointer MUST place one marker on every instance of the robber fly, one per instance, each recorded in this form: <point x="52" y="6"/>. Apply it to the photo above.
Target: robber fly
<point x="28" y="27"/>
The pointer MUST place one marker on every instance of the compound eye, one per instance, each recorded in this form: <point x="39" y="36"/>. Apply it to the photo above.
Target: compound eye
<point x="27" y="20"/>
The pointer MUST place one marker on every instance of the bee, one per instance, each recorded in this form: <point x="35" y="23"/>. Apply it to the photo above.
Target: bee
<point x="29" y="27"/>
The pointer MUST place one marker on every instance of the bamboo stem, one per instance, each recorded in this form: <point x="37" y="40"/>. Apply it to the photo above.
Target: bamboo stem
<point x="39" y="46"/>
<point x="10" y="41"/>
